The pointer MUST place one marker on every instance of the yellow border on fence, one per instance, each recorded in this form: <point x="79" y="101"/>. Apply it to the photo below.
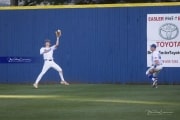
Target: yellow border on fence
<point x="91" y="6"/>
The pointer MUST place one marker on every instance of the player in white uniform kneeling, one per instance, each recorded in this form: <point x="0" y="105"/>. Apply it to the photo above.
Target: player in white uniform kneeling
<point x="156" y="67"/>
<point x="47" y="53"/>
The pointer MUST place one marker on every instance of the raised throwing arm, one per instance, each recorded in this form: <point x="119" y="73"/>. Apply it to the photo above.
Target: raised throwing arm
<point x="58" y="35"/>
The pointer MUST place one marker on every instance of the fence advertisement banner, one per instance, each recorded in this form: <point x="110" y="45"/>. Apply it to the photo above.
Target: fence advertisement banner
<point x="163" y="30"/>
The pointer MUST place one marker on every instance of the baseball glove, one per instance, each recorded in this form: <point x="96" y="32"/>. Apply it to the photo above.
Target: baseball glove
<point x="58" y="33"/>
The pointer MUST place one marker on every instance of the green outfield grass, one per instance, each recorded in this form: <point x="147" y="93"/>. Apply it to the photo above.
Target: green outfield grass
<point x="89" y="102"/>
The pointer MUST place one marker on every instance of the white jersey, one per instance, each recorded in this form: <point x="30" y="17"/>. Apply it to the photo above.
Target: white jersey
<point x="48" y="55"/>
<point x="156" y="56"/>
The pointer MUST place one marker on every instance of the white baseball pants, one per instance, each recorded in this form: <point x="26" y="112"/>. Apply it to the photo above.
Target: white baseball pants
<point x="156" y="70"/>
<point x="47" y="65"/>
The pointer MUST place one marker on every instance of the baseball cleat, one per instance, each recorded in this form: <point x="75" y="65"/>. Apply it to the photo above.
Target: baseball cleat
<point x="35" y="85"/>
<point x="64" y="83"/>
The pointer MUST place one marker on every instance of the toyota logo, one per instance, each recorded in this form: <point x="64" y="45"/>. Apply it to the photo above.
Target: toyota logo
<point x="168" y="31"/>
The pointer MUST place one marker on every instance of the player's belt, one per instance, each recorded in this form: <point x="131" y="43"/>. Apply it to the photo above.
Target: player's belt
<point x="48" y="59"/>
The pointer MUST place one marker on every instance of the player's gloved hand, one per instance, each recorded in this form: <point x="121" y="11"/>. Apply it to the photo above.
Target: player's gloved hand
<point x="58" y="33"/>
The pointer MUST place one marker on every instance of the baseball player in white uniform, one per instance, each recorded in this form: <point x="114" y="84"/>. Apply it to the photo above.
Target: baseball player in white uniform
<point x="47" y="53"/>
<point x="156" y="67"/>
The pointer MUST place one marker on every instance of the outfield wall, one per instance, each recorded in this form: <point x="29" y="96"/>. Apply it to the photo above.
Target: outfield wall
<point x="99" y="44"/>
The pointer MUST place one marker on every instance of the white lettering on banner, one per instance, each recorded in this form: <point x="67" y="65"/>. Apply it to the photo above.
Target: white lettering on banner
<point x="164" y="31"/>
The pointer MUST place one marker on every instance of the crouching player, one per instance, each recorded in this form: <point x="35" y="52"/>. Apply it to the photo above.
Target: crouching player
<point x="156" y="67"/>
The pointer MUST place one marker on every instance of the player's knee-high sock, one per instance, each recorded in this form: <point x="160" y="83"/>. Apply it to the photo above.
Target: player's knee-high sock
<point x="61" y="75"/>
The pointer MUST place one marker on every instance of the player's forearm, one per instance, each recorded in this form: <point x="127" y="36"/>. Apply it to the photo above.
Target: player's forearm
<point x="57" y="41"/>
<point x="58" y="35"/>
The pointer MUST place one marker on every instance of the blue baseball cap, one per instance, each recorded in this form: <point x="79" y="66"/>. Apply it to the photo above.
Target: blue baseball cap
<point x="153" y="46"/>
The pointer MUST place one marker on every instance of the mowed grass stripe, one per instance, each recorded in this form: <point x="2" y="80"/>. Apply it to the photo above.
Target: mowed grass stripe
<point x="80" y="99"/>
